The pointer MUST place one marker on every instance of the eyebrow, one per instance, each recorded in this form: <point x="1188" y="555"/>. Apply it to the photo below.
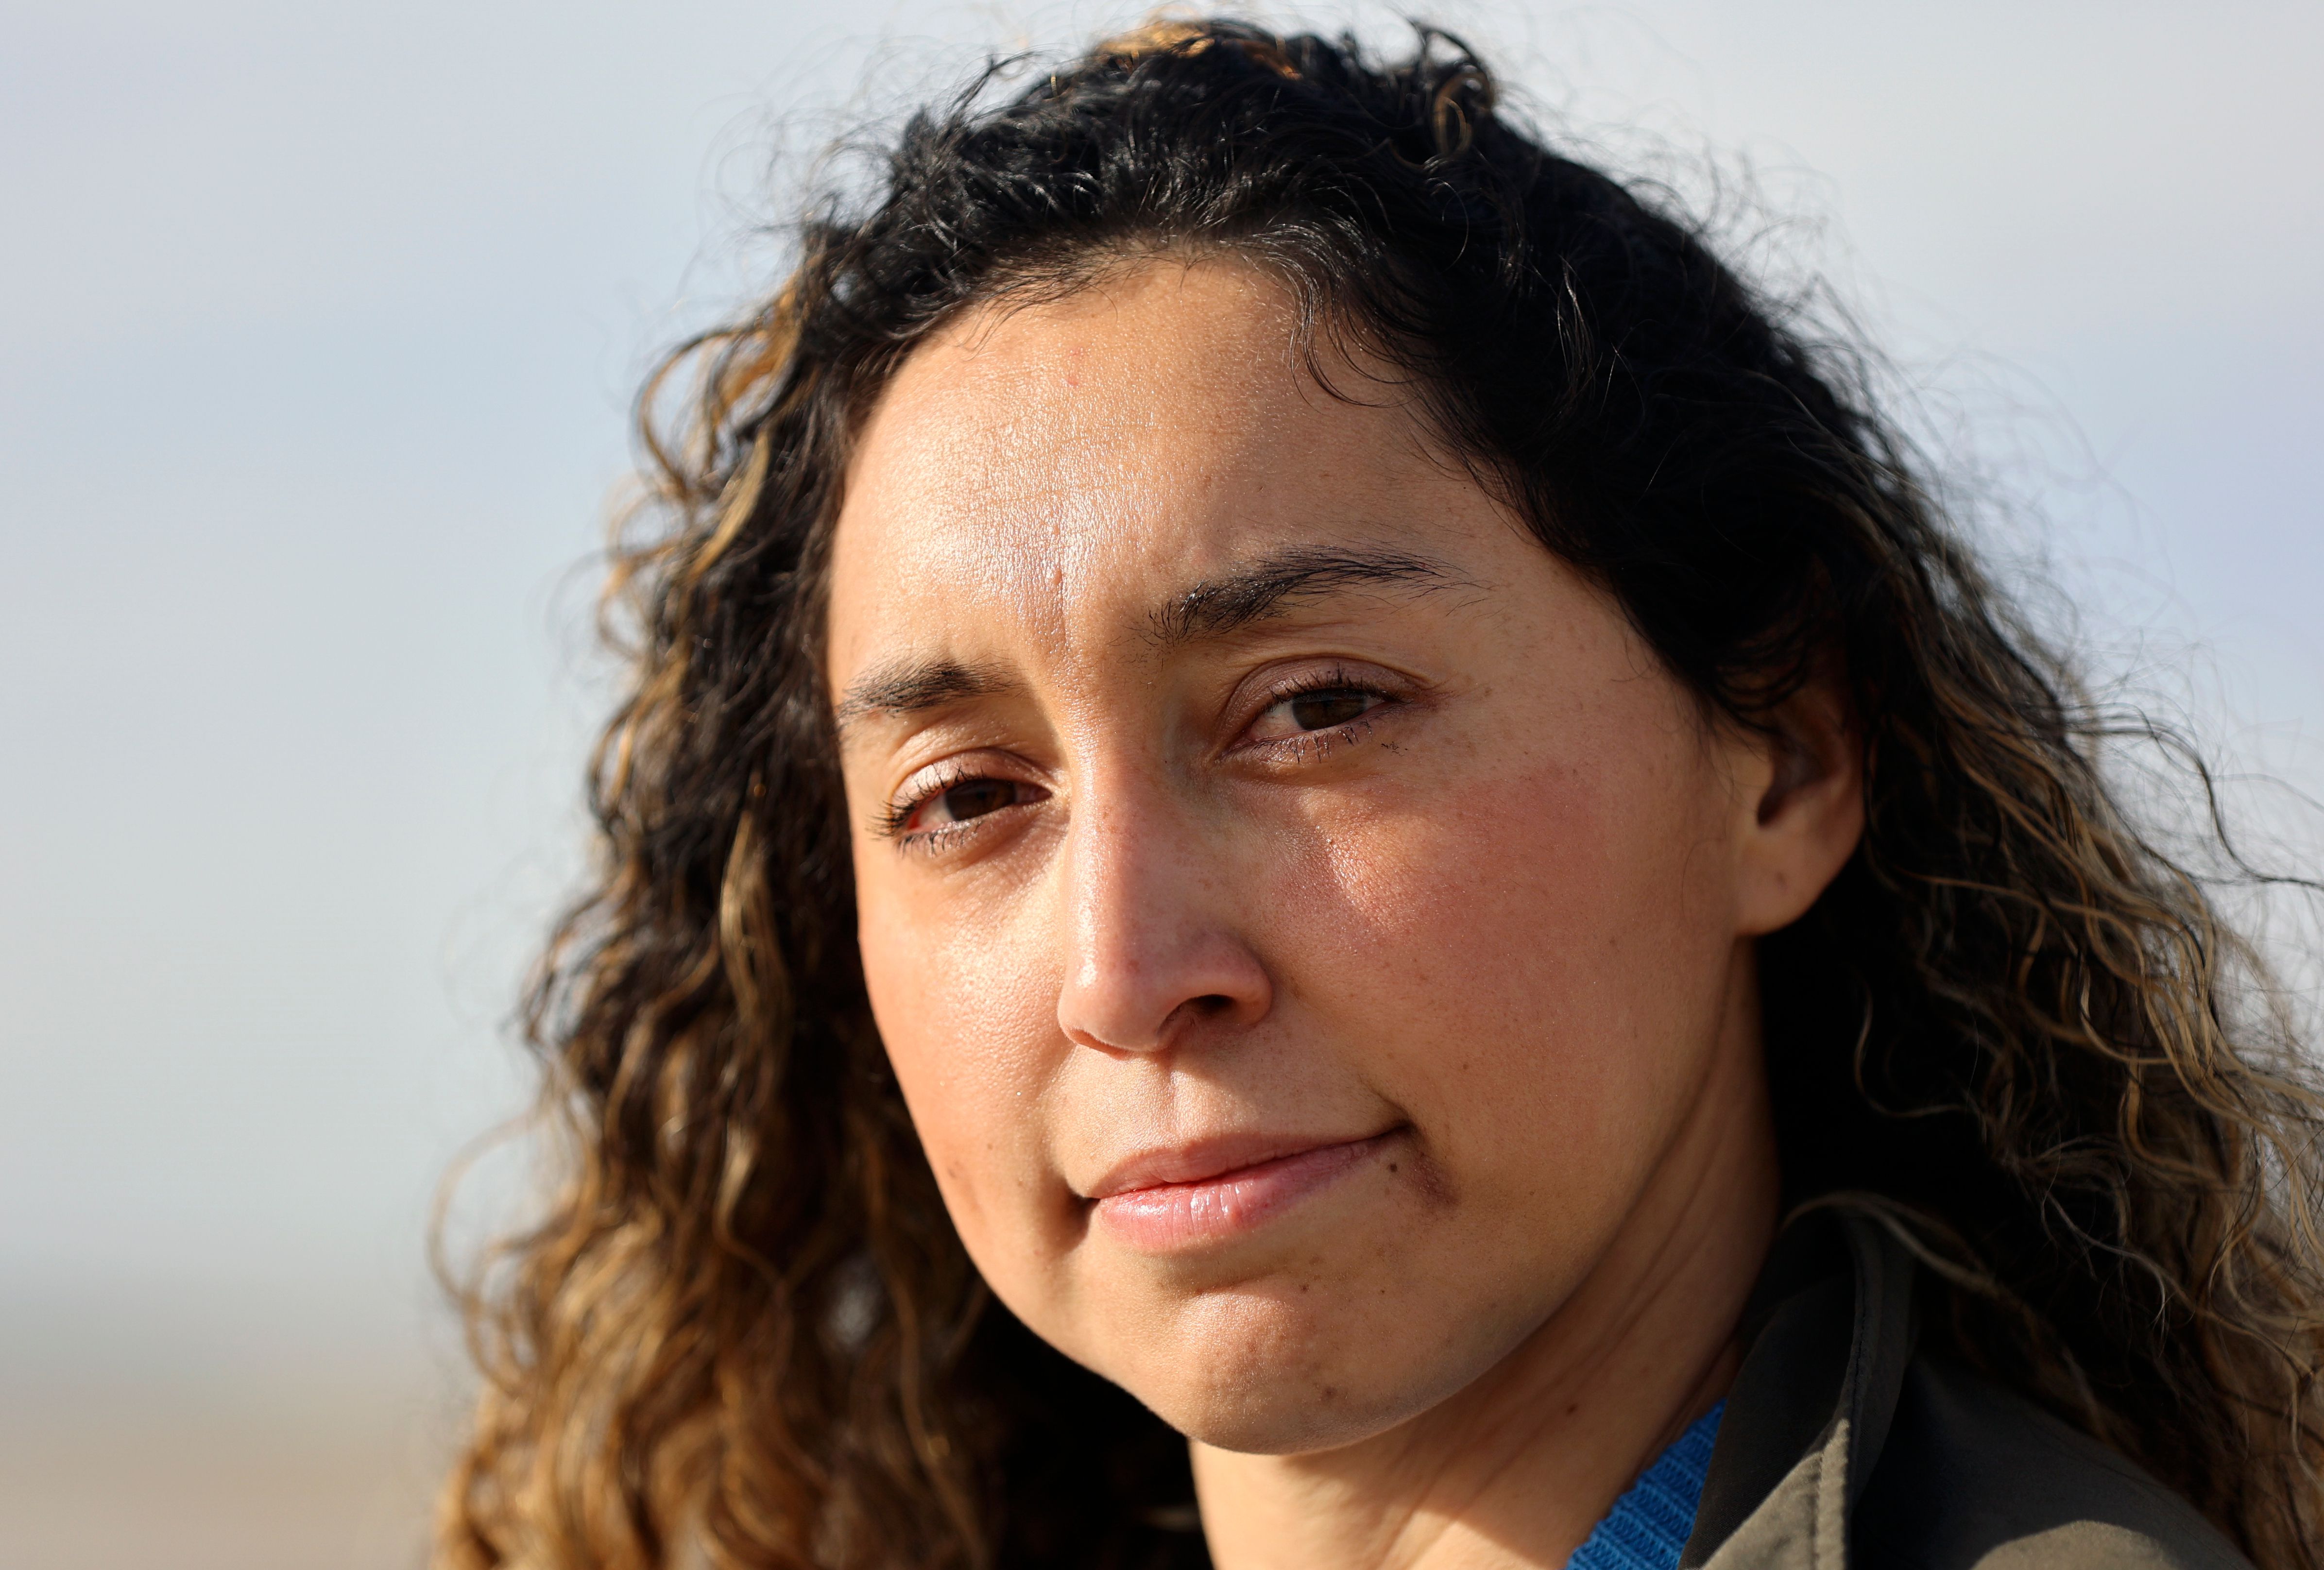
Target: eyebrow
<point x="1212" y="608"/>
<point x="1266" y="588"/>
<point x="914" y="686"/>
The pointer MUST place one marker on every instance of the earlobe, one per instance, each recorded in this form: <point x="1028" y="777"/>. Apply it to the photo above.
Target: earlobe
<point x="1806" y="820"/>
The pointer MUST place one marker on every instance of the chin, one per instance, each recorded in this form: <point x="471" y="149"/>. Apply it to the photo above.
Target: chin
<point x="1279" y="1412"/>
<point x="1250" y="1372"/>
<point x="1297" y="1424"/>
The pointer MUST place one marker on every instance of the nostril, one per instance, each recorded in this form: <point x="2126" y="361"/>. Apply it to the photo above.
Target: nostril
<point x="1212" y="1004"/>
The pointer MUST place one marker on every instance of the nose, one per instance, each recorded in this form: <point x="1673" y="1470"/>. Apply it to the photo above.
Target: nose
<point x="1155" y="928"/>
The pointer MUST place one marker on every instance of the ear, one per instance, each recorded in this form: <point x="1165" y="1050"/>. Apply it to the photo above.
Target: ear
<point x="1801" y="808"/>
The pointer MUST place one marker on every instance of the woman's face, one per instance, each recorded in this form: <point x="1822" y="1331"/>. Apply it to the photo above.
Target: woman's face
<point x="1303" y="916"/>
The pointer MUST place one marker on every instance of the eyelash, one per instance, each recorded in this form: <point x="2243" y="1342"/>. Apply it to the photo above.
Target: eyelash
<point x="893" y="821"/>
<point x="1314" y="744"/>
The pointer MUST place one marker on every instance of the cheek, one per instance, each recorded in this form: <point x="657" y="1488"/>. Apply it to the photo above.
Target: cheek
<point x="1551" y="942"/>
<point x="970" y="1025"/>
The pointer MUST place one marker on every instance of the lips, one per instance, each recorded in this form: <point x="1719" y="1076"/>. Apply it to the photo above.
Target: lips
<point x="1170" y="1201"/>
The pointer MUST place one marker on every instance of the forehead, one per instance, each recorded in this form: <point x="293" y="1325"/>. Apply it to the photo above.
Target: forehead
<point x="1054" y="467"/>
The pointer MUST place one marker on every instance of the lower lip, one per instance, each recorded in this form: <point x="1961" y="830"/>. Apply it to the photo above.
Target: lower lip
<point x="1171" y="1217"/>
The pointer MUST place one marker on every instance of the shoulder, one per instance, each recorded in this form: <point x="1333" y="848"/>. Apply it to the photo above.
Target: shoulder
<point x="1972" y="1475"/>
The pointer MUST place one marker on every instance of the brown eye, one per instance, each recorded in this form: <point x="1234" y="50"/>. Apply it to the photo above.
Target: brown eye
<point x="964" y="800"/>
<point x="1335" y="705"/>
<point x="974" y="798"/>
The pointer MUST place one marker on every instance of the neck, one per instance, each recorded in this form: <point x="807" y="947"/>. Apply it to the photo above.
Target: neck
<point x="1517" y="1468"/>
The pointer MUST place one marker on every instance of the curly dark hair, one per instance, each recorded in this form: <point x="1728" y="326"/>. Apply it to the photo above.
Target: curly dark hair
<point x="746" y="1333"/>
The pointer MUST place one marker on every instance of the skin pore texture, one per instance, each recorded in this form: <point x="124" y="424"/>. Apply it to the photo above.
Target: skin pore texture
<point x="1311" y="930"/>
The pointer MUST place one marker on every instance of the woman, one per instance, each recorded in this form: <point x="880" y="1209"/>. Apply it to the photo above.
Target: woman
<point x="1294" y="779"/>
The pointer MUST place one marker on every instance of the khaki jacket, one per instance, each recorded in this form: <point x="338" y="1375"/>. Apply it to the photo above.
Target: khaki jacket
<point x="1843" y="1445"/>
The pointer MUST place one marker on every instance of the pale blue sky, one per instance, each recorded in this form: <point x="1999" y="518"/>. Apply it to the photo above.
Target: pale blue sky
<point x="317" y="326"/>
